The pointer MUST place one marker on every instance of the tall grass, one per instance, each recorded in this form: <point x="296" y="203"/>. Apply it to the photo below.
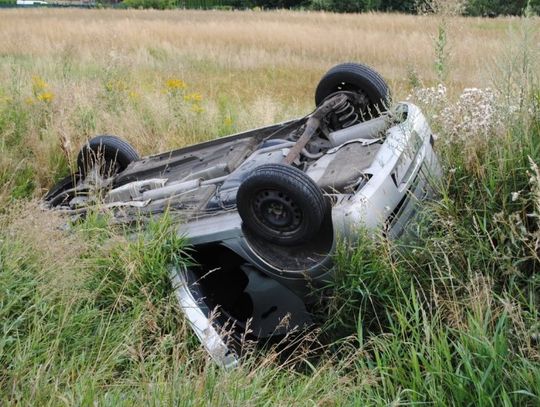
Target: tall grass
<point x="446" y="317"/>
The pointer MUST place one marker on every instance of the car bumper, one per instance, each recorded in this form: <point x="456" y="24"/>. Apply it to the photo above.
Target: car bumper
<point x="404" y="172"/>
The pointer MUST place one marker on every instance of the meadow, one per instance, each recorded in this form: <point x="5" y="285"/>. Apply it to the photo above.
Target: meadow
<point x="87" y="316"/>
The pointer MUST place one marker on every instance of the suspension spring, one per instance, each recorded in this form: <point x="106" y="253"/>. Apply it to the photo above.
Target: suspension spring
<point x="346" y="115"/>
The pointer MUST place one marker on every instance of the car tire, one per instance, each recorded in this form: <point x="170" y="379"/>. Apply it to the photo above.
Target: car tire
<point x="112" y="154"/>
<point x="356" y="78"/>
<point x="64" y="184"/>
<point x="281" y="204"/>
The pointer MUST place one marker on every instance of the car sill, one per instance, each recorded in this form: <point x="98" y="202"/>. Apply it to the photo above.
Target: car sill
<point x="200" y="323"/>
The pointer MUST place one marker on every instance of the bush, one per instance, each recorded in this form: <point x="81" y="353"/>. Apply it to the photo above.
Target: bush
<point x="153" y="4"/>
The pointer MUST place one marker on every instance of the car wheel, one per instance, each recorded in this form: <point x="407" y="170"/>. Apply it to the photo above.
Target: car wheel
<point x="65" y="183"/>
<point x="281" y="204"/>
<point x="359" y="79"/>
<point x="110" y="153"/>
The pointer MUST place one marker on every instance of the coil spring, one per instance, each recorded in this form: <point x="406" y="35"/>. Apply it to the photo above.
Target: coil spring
<point x="346" y="114"/>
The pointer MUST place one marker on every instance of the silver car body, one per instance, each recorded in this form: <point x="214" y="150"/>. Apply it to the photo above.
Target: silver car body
<point x="372" y="174"/>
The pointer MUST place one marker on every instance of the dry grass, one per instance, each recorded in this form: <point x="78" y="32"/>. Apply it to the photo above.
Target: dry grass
<point x="46" y="237"/>
<point x="235" y="42"/>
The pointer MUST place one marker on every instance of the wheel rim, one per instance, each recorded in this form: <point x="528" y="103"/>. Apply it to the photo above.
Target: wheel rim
<point x="277" y="211"/>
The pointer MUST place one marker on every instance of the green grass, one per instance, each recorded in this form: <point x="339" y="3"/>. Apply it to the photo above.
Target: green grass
<point x="416" y="331"/>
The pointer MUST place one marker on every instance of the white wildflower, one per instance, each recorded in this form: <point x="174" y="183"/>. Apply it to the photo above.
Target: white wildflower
<point x="473" y="114"/>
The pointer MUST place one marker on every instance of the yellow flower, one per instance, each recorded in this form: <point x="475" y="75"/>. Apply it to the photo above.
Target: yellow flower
<point x="175" y="84"/>
<point x="4" y="98"/>
<point x="115" y="86"/>
<point x="46" y="97"/>
<point x="134" y="95"/>
<point x="29" y="101"/>
<point x="228" y="121"/>
<point x="193" y="97"/>
<point x="38" y="84"/>
<point x="196" y="108"/>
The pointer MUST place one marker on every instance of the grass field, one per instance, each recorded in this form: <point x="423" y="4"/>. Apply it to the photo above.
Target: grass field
<point x="87" y="316"/>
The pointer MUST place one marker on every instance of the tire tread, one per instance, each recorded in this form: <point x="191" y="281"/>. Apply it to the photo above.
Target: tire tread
<point x="378" y="86"/>
<point x="124" y="151"/>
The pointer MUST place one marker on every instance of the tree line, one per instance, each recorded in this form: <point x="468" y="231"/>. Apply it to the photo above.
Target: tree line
<point x="486" y="8"/>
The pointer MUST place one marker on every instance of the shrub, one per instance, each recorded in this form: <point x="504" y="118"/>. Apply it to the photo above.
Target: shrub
<point x="153" y="4"/>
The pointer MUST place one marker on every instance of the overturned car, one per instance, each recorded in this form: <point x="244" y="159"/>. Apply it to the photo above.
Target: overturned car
<point x="263" y="209"/>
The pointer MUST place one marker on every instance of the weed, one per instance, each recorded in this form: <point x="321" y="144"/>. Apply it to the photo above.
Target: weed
<point x="441" y="52"/>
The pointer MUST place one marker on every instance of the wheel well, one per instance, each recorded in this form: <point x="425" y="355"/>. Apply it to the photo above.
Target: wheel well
<point x="296" y="257"/>
<point x="221" y="280"/>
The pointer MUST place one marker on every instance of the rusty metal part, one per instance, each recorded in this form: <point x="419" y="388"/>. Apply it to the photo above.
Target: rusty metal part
<point x="312" y="125"/>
